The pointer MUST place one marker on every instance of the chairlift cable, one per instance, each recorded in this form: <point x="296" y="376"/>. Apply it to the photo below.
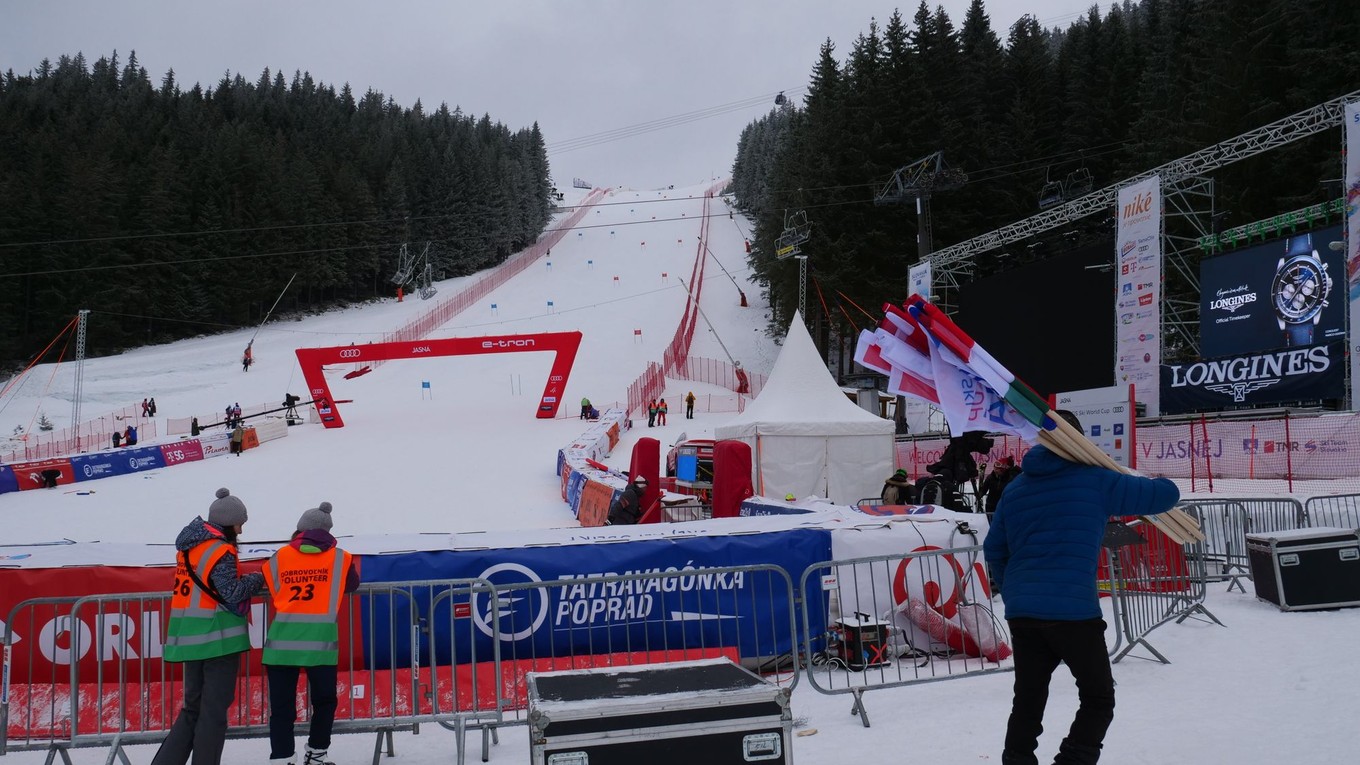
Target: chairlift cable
<point x="711" y="328"/>
<point x="48" y="387"/>
<point x="271" y="309"/>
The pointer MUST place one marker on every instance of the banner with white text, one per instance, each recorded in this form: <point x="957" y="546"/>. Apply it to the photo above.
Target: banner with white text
<point x="919" y="275"/>
<point x="1138" y="304"/>
<point x="1352" y="240"/>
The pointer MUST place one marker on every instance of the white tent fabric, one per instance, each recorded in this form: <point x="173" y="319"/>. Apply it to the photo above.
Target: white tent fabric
<point x="806" y="436"/>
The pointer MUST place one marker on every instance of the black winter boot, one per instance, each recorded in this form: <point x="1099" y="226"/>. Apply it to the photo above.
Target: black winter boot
<point x="1076" y="754"/>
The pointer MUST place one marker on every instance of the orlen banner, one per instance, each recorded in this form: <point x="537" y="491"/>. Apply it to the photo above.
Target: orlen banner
<point x="44" y="638"/>
<point x="1138" y="304"/>
<point x="1352" y="252"/>
<point x="1282" y="293"/>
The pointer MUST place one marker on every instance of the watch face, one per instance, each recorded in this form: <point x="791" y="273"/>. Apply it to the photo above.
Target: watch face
<point x="1299" y="291"/>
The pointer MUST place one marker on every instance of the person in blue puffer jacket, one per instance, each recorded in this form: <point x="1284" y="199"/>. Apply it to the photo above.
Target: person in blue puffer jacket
<point x="1042" y="548"/>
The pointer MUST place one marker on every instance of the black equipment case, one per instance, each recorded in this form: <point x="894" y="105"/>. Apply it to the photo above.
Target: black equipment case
<point x="708" y="711"/>
<point x="1303" y="569"/>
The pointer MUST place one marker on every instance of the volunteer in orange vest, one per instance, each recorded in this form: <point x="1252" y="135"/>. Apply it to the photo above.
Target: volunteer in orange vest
<point x="306" y="581"/>
<point x="207" y="630"/>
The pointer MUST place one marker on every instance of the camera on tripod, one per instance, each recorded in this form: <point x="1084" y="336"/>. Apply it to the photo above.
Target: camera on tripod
<point x="955" y="467"/>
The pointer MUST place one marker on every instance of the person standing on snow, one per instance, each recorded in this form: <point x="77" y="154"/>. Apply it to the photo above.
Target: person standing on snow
<point x="689" y="405"/>
<point x="661" y="410"/>
<point x="1042" y="548"/>
<point x="303" y="634"/>
<point x="651" y="413"/>
<point x="1003" y="472"/>
<point x="238" y="439"/>
<point x="146" y="408"/>
<point x="151" y="406"/>
<point x="207" y="630"/>
<point x="247" y="359"/>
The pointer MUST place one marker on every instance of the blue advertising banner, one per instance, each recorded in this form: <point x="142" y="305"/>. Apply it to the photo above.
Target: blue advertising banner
<point x="8" y="481"/>
<point x="1284" y="293"/>
<point x="91" y="467"/>
<point x="575" y="481"/>
<point x="744" y="610"/>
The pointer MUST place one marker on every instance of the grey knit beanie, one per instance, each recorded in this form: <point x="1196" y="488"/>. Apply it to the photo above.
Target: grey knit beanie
<point x="318" y="517"/>
<point x="226" y="510"/>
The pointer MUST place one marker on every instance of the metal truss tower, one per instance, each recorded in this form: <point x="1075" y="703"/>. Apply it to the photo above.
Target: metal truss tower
<point x="1187" y="194"/>
<point x="82" y="319"/>
<point x="918" y="181"/>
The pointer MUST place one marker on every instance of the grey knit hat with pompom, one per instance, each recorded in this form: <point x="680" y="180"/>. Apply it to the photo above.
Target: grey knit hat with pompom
<point x="318" y="517"/>
<point x="226" y="510"/>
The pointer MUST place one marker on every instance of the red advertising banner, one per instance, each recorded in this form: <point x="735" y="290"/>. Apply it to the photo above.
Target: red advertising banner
<point x="44" y="637"/>
<point x="563" y="346"/>
<point x="30" y="474"/>
<point x="184" y="451"/>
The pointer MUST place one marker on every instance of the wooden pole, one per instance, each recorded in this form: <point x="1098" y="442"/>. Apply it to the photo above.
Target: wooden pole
<point x="1073" y="446"/>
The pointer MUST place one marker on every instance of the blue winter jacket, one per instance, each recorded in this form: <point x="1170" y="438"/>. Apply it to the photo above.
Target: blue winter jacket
<point x="1044" y="542"/>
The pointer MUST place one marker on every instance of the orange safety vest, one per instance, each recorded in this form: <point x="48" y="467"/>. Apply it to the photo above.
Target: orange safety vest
<point x="305" y="590"/>
<point x="200" y="627"/>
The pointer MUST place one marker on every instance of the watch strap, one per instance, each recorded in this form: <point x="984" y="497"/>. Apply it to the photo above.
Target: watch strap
<point x="1297" y="335"/>
<point x="1299" y="245"/>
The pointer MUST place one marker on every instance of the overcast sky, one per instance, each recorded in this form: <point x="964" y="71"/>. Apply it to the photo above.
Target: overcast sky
<point x="602" y="70"/>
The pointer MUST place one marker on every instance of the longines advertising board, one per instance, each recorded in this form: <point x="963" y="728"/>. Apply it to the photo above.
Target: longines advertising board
<point x="1287" y="293"/>
<point x="1285" y="374"/>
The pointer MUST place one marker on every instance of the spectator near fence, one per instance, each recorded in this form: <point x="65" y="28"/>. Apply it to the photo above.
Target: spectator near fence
<point x="1043" y="548"/>
<point x="207" y="630"/>
<point x="306" y="580"/>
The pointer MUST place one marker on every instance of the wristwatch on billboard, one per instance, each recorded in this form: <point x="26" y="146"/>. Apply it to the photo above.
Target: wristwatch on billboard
<point x="1299" y="291"/>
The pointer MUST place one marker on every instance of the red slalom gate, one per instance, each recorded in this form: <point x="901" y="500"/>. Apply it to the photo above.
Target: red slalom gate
<point x="563" y="344"/>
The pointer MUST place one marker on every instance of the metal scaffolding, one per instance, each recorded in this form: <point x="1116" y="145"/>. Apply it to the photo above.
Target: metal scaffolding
<point x="954" y="264"/>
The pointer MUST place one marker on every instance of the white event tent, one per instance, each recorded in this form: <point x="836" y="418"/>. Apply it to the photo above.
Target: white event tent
<point x="806" y="437"/>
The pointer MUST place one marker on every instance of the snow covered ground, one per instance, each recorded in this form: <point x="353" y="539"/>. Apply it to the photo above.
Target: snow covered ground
<point x="1268" y="687"/>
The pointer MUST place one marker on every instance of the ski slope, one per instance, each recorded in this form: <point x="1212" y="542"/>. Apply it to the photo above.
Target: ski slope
<point x="468" y="453"/>
<point x="1269" y="687"/>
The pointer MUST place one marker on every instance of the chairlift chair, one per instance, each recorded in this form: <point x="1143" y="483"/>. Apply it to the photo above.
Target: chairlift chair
<point x="1079" y="183"/>
<point x="1051" y="194"/>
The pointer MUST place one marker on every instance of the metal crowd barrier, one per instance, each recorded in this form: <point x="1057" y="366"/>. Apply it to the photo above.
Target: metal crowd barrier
<point x="456" y="652"/>
<point x="1226" y="523"/>
<point x="1341" y="510"/>
<point x="404" y="678"/>
<point x="895" y="620"/>
<point x="1150" y="583"/>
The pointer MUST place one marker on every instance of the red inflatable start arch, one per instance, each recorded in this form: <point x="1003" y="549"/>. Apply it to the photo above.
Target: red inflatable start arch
<point x="562" y="344"/>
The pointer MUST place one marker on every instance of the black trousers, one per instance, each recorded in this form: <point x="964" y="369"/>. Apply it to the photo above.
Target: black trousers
<point x="1040" y="645"/>
<point x="201" y="727"/>
<point x="283" y="707"/>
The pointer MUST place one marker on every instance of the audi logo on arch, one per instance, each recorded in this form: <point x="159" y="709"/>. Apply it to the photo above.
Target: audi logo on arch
<point x="349" y="353"/>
